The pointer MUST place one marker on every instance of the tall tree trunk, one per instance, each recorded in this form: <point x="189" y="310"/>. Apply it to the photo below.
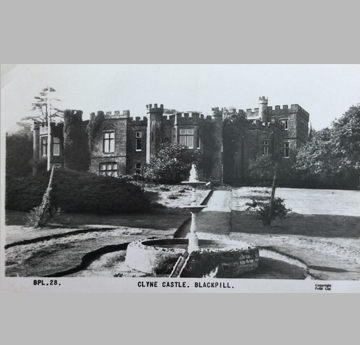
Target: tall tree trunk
<point x="272" y="197"/>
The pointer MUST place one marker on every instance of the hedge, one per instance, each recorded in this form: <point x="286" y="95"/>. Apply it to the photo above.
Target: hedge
<point x="76" y="192"/>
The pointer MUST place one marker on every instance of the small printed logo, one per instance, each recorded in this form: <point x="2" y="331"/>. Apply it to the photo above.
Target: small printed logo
<point x="322" y="287"/>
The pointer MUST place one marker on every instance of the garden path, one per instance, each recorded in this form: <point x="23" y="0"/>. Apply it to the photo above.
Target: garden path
<point x="215" y="218"/>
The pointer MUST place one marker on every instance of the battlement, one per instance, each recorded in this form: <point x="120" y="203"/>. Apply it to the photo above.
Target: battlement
<point x="278" y="110"/>
<point x="154" y="108"/>
<point x="117" y="114"/>
<point x="190" y="118"/>
<point x="138" y="119"/>
<point x="168" y="117"/>
<point x="191" y="115"/>
<point x="43" y="129"/>
<point x="252" y="113"/>
<point x="111" y="116"/>
<point x="285" y="109"/>
<point x="263" y="99"/>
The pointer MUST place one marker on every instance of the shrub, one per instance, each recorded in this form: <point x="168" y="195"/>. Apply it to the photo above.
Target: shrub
<point x="171" y="164"/>
<point x="278" y="210"/>
<point x="76" y="192"/>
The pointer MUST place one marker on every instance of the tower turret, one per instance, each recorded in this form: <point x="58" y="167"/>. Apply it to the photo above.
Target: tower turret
<point x="154" y="130"/>
<point x="263" y="102"/>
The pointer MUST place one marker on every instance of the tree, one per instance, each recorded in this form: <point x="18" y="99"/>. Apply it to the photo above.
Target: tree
<point x="332" y="156"/>
<point x="263" y="167"/>
<point x="44" y="106"/>
<point x="311" y="132"/>
<point x="19" y="153"/>
<point x="171" y="164"/>
<point x="48" y="114"/>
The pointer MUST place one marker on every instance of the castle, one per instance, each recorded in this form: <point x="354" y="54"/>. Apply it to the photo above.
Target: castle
<point x="117" y="144"/>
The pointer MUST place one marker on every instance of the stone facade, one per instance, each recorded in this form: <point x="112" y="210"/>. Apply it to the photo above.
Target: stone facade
<point x="120" y="144"/>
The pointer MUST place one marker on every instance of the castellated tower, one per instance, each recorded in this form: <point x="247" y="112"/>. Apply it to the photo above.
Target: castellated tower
<point x="154" y="130"/>
<point x="76" y="148"/>
<point x="263" y="102"/>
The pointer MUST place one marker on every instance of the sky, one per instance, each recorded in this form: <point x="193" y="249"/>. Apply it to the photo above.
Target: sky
<point x="325" y="91"/>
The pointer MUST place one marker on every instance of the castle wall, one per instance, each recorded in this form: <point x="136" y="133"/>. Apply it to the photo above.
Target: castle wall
<point x="117" y="124"/>
<point x="168" y="129"/>
<point x="233" y="155"/>
<point x="228" y="159"/>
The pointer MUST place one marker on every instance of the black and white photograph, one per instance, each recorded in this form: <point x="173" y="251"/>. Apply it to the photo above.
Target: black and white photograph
<point x="178" y="178"/>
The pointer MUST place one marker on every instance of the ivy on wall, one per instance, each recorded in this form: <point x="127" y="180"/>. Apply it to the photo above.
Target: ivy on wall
<point x="76" y="149"/>
<point x="233" y="129"/>
<point x="93" y="128"/>
<point x="206" y="157"/>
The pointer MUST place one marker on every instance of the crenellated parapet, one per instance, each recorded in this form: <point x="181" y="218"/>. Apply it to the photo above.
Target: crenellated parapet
<point x="109" y="115"/>
<point x="191" y="118"/>
<point x="263" y="99"/>
<point x="279" y="111"/>
<point x="252" y="113"/>
<point x="43" y="129"/>
<point x="155" y="108"/>
<point x="137" y="121"/>
<point x="285" y="110"/>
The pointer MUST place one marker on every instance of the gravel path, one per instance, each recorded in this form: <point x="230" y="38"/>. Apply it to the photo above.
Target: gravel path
<point x="216" y="217"/>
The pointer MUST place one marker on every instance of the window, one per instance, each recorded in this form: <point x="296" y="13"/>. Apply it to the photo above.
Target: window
<point x="56" y="146"/>
<point x="265" y="147"/>
<point x="109" y="142"/>
<point x="138" y="168"/>
<point x="138" y="144"/>
<point x="186" y="136"/>
<point x="286" y="124"/>
<point x="108" y="169"/>
<point x="286" y="149"/>
<point x="43" y="146"/>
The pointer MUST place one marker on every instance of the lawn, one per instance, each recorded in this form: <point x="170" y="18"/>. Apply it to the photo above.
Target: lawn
<point x="323" y="229"/>
<point x="299" y="224"/>
<point x="314" y="212"/>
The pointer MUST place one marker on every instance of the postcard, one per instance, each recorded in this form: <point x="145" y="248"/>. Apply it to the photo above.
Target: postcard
<point x="180" y="178"/>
